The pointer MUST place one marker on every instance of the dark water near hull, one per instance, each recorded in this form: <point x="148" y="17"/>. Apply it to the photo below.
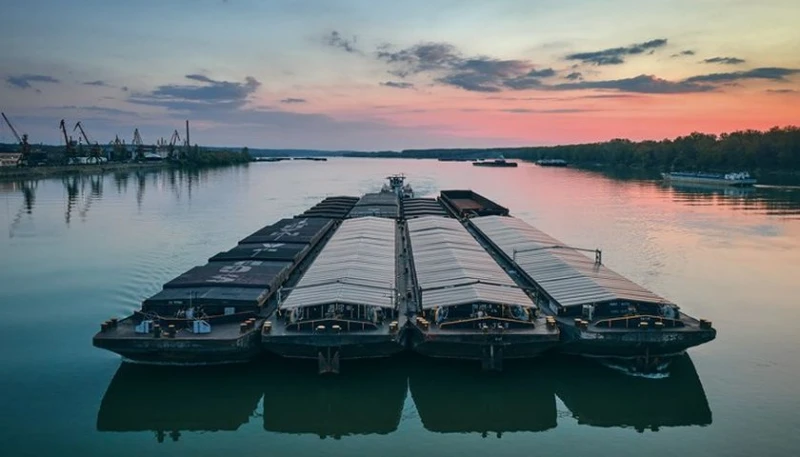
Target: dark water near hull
<point x="79" y="250"/>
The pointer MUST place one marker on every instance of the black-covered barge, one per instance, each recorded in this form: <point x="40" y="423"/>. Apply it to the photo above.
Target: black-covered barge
<point x="213" y="313"/>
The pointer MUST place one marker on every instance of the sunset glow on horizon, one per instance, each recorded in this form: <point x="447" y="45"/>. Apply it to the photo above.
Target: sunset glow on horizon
<point x="364" y="75"/>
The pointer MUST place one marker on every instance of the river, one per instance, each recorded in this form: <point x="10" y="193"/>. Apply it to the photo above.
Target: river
<point x="78" y="250"/>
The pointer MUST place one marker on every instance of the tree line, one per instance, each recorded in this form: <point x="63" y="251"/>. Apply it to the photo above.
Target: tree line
<point x="777" y="149"/>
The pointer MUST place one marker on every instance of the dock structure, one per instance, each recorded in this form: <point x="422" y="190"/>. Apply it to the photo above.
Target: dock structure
<point x="601" y="312"/>
<point x="345" y="306"/>
<point x="213" y="313"/>
<point x="468" y="307"/>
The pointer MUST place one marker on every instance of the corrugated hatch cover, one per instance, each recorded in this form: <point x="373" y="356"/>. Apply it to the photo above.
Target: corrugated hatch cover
<point x="453" y="269"/>
<point x="304" y="230"/>
<point x="245" y="273"/>
<point x="567" y="275"/>
<point x="237" y="296"/>
<point x="262" y="251"/>
<point x="356" y="266"/>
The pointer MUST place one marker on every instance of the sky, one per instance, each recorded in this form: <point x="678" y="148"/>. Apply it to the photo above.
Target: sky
<point x="386" y="75"/>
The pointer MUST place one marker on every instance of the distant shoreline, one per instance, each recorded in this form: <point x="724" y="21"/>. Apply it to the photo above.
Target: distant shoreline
<point x="19" y="173"/>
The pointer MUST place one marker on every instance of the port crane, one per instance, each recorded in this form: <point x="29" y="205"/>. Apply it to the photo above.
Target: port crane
<point x="69" y="151"/>
<point x="138" y="145"/>
<point x="172" y="142"/>
<point x="25" y="148"/>
<point x="119" y="151"/>
<point x="94" y="152"/>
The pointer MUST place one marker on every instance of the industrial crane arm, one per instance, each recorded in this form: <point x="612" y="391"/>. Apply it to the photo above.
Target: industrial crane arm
<point x="13" y="130"/>
<point x="79" y="126"/>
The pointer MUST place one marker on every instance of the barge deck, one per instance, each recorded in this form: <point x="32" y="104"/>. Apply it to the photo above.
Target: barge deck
<point x="350" y="303"/>
<point x="600" y="313"/>
<point x="467" y="306"/>
<point x="213" y="313"/>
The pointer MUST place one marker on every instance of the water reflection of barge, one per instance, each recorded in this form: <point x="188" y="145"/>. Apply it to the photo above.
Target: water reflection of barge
<point x="456" y="398"/>
<point x="605" y="397"/>
<point x="367" y="400"/>
<point x="213" y="313"/>
<point x="172" y="400"/>
<point x="523" y="399"/>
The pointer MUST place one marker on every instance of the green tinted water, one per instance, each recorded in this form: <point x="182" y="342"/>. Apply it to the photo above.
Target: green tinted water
<point x="77" y="251"/>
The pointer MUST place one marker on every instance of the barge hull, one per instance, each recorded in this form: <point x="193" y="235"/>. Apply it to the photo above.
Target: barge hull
<point x="631" y="344"/>
<point x="185" y="351"/>
<point x="349" y="347"/>
<point x="478" y="347"/>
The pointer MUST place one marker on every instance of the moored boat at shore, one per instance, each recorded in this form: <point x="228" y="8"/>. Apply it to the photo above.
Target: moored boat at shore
<point x="740" y="179"/>
<point x="551" y="163"/>
<point x="501" y="162"/>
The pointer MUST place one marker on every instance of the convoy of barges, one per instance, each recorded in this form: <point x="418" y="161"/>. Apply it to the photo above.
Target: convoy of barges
<point x="453" y="277"/>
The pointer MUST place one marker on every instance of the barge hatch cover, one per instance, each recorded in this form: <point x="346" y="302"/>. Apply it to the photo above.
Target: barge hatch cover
<point x="356" y="266"/>
<point x="291" y="252"/>
<point x="304" y="231"/>
<point x="567" y="275"/>
<point x="245" y="273"/>
<point x="453" y="269"/>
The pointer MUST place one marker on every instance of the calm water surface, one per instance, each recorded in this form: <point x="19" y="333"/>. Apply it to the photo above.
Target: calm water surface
<point x="80" y="250"/>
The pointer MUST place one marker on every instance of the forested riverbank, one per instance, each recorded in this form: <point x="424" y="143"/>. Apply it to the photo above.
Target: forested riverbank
<point x="774" y="150"/>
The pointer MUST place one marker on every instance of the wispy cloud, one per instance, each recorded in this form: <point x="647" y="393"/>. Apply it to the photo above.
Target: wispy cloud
<point x="684" y="53"/>
<point x="543" y="73"/>
<point x="98" y="83"/>
<point x="546" y="111"/>
<point x="646" y="84"/>
<point x="770" y="73"/>
<point x="294" y="100"/>
<point x="24" y="81"/>
<point x="336" y="40"/>
<point x="616" y="56"/>
<point x="96" y="109"/>
<point x="782" y="91"/>
<point x="397" y="84"/>
<point x="724" y="60"/>
<point x="450" y="67"/>
<point x="575" y="76"/>
<point x="183" y="97"/>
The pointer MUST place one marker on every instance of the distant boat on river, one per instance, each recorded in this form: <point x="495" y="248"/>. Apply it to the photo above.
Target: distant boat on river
<point x="740" y="179"/>
<point x="501" y="162"/>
